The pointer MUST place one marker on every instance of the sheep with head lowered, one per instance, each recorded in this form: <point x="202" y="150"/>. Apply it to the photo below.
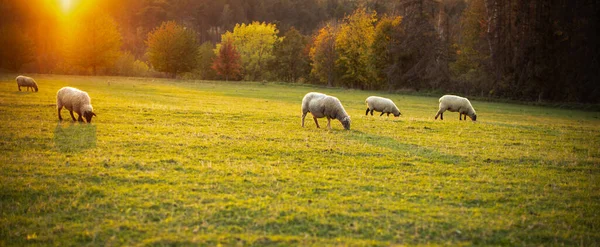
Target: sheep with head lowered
<point x="28" y="82"/>
<point x="458" y="104"/>
<point x="383" y="105"/>
<point x="322" y="105"/>
<point x="75" y="100"/>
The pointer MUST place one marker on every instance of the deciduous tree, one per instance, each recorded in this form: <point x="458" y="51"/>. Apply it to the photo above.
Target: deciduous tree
<point x="381" y="50"/>
<point x="291" y="57"/>
<point x="95" y="43"/>
<point x="172" y="48"/>
<point x="323" y="54"/>
<point x="353" y="44"/>
<point x="255" y="43"/>
<point x="227" y="62"/>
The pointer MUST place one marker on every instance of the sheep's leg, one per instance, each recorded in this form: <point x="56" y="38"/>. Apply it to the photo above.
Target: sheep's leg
<point x="388" y="114"/>
<point x="317" y="122"/>
<point x="440" y="114"/>
<point x="71" y="112"/>
<point x="460" y="116"/>
<point x="59" y="116"/>
<point x="381" y="114"/>
<point x="303" y="116"/>
<point x="367" y="114"/>
<point x="80" y="117"/>
<point x="19" y="87"/>
<point x="328" y="123"/>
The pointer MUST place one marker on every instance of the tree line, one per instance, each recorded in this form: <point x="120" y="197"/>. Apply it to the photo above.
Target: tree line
<point x="532" y="50"/>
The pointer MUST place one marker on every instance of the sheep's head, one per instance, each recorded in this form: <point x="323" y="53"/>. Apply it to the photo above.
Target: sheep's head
<point x="396" y="113"/>
<point x="88" y="116"/>
<point x="35" y="87"/>
<point x="346" y="122"/>
<point x="473" y="117"/>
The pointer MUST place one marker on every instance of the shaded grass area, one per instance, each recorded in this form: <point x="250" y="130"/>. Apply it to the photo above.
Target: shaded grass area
<point x="187" y="163"/>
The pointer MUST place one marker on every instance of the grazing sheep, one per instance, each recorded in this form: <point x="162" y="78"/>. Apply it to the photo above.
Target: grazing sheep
<point x="24" y="81"/>
<point x="458" y="104"/>
<point x="321" y="105"/>
<point x="75" y="100"/>
<point x="383" y="105"/>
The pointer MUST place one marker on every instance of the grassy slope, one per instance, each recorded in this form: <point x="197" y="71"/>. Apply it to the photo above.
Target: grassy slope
<point x="201" y="162"/>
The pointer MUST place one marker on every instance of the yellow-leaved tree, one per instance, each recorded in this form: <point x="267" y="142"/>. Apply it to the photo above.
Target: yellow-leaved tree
<point x="353" y="45"/>
<point x="255" y="43"/>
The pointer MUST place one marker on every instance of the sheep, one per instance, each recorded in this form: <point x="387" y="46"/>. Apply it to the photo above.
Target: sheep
<point x="383" y="105"/>
<point x="24" y="81"/>
<point x="322" y="105"/>
<point x="458" y="104"/>
<point x="75" y="100"/>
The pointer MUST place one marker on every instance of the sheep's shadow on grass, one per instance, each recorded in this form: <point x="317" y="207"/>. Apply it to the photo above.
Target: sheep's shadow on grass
<point x="74" y="137"/>
<point x="23" y="92"/>
<point x="410" y="150"/>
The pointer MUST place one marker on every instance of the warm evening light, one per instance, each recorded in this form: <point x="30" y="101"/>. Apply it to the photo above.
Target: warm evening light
<point x="66" y="5"/>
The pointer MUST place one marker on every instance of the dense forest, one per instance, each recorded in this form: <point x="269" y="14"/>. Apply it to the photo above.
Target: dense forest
<point x="532" y="50"/>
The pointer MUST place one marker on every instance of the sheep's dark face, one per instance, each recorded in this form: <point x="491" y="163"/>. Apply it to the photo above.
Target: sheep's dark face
<point x="88" y="116"/>
<point x="346" y="123"/>
<point x="473" y="117"/>
<point x="397" y="113"/>
<point x="35" y="87"/>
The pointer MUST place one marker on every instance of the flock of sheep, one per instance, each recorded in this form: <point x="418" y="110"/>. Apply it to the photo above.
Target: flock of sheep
<point x="71" y="98"/>
<point x="322" y="105"/>
<point x="318" y="104"/>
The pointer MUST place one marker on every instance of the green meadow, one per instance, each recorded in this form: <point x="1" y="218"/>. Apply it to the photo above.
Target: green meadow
<point x="170" y="162"/>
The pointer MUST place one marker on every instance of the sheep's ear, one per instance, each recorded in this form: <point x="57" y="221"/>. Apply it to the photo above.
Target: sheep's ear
<point x="94" y="114"/>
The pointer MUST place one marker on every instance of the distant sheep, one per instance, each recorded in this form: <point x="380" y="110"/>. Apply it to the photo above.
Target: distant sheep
<point x="383" y="105"/>
<point x="75" y="100"/>
<point x="322" y="105"/>
<point x="458" y="104"/>
<point x="25" y="81"/>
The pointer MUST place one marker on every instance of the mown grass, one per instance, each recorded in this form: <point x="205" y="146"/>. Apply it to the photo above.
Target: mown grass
<point x="206" y="163"/>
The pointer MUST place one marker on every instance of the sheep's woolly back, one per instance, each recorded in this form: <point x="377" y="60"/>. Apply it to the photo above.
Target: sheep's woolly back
<point x="454" y="103"/>
<point x="74" y="100"/>
<point x="381" y="104"/>
<point x="25" y="81"/>
<point x="310" y="97"/>
<point x="333" y="108"/>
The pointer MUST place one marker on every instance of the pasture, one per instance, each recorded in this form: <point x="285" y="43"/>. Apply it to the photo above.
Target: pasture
<point x="170" y="162"/>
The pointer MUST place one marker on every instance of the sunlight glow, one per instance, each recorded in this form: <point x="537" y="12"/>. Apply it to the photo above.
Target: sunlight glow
<point x="65" y="5"/>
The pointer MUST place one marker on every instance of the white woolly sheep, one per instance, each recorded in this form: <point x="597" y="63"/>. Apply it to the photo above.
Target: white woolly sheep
<point x="75" y="100"/>
<point x="322" y="105"/>
<point x="458" y="104"/>
<point x="383" y="105"/>
<point x="24" y="81"/>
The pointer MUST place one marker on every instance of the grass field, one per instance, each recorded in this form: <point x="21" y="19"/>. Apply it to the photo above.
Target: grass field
<point x="207" y="163"/>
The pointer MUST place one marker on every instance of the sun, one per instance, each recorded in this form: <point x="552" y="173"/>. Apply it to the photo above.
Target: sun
<point x="66" y="5"/>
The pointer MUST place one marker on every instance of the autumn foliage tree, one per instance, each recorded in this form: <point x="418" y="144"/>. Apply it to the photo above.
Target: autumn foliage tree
<point x="254" y="42"/>
<point x="95" y="43"/>
<point x="323" y="54"/>
<point x="172" y="48"/>
<point x="227" y="62"/>
<point x="382" y="55"/>
<point x="353" y="44"/>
